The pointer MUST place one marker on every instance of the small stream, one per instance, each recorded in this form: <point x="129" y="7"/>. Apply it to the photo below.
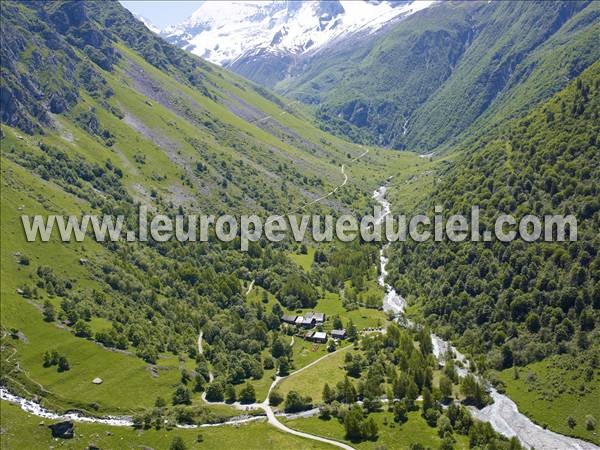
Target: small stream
<point x="503" y="414"/>
<point x="34" y="408"/>
<point x="392" y="301"/>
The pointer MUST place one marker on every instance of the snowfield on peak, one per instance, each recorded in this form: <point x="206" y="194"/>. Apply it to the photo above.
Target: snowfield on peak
<point x="224" y="31"/>
<point x="148" y="23"/>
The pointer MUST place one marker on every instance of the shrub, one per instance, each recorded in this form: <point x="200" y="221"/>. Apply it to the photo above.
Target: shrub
<point x="247" y="394"/>
<point x="296" y="403"/>
<point x="275" y="398"/>
<point x="177" y="444"/>
<point x="590" y="422"/>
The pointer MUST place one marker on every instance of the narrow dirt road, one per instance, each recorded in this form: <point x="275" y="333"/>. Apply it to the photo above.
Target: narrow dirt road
<point x="329" y="194"/>
<point x="277" y="424"/>
<point x="200" y="341"/>
<point x="273" y="420"/>
<point x="250" y="287"/>
<point x="210" y="374"/>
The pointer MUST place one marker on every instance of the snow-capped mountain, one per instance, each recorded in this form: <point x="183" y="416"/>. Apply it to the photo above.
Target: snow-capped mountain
<point x="225" y="31"/>
<point x="148" y="23"/>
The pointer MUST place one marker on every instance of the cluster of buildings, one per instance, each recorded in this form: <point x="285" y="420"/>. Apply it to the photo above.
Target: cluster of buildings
<point x="309" y="321"/>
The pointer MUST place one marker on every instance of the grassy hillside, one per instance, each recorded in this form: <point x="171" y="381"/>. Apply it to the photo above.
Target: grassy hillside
<point x="450" y="70"/>
<point x="517" y="303"/>
<point x="100" y="115"/>
<point x="553" y="390"/>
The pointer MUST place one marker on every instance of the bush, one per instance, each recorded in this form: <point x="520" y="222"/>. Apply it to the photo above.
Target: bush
<point x="400" y="411"/>
<point x="590" y="422"/>
<point x="48" y="311"/>
<point x="431" y="416"/>
<point x="357" y="427"/>
<point x="275" y="398"/>
<point x="268" y="363"/>
<point x="182" y="396"/>
<point x="177" y="444"/>
<point x="63" y="364"/>
<point x="214" y="392"/>
<point x="295" y="403"/>
<point x="247" y="394"/>
<point x="230" y="394"/>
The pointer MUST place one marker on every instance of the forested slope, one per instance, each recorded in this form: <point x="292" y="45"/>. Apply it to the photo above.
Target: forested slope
<point x="518" y="302"/>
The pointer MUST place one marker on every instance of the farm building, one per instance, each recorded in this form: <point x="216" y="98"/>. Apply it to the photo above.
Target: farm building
<point x="291" y="319"/>
<point x="316" y="336"/>
<point x="320" y="337"/>
<point x="319" y="318"/>
<point x="308" y="322"/>
<point x="338" y="334"/>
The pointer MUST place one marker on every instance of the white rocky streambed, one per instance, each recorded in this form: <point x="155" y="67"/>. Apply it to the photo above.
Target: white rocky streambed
<point x="34" y="408"/>
<point x="503" y="414"/>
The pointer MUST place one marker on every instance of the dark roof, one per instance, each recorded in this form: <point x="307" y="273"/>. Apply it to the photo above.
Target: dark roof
<point x="338" y="333"/>
<point x="319" y="317"/>
<point x="288" y="318"/>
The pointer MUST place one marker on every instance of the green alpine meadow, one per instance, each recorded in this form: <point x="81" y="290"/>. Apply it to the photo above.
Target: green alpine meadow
<point x="300" y="225"/>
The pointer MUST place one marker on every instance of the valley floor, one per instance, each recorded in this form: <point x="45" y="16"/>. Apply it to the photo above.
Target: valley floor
<point x="22" y="431"/>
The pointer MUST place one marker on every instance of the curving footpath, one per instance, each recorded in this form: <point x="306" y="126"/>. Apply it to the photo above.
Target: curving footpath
<point x="272" y="419"/>
<point x="277" y="424"/>
<point x="329" y="194"/>
<point x="250" y="287"/>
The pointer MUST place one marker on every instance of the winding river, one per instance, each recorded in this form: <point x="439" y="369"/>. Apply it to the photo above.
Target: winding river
<point x="503" y="414"/>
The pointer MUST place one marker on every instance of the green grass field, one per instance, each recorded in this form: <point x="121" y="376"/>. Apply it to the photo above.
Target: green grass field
<point x="304" y="261"/>
<point x="23" y="431"/>
<point x="306" y="352"/>
<point x="412" y="182"/>
<point x="549" y="391"/>
<point x="392" y="436"/>
<point x="311" y="381"/>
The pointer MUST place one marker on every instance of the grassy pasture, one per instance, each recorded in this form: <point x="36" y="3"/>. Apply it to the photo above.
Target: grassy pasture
<point x="392" y="436"/>
<point x="24" y="431"/>
<point x="549" y="391"/>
